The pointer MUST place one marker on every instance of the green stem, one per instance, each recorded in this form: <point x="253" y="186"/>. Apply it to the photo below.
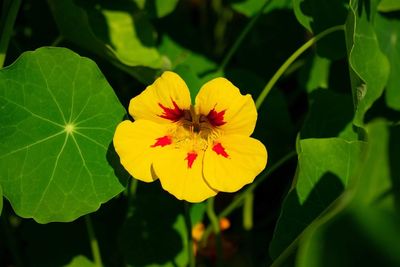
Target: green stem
<point x="241" y="37"/>
<point x="10" y="11"/>
<point x="215" y="226"/>
<point x="248" y="211"/>
<point x="290" y="60"/>
<point x="241" y="196"/>
<point x="188" y="221"/>
<point x="94" y="245"/>
<point x="58" y="40"/>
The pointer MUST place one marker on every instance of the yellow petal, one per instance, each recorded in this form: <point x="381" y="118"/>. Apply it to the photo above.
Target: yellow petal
<point x="226" y="108"/>
<point x="233" y="161"/>
<point x="164" y="101"/>
<point x="180" y="173"/>
<point x="137" y="142"/>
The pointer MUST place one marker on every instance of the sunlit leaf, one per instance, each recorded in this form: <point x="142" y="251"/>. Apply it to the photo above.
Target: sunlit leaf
<point x="324" y="170"/>
<point x="368" y="77"/>
<point x="389" y="5"/>
<point x="80" y="261"/>
<point x="179" y="55"/>
<point x="388" y="32"/>
<point x="157" y="8"/>
<point x="115" y="31"/>
<point x="315" y="74"/>
<point x="58" y="114"/>
<point x="378" y="172"/>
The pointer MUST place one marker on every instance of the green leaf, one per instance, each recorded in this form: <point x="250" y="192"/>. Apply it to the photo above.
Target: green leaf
<point x="324" y="170"/>
<point x="389" y="5"/>
<point x="1" y="199"/>
<point x="378" y="171"/>
<point x="388" y="32"/>
<point x="115" y="31"/>
<point x="317" y="16"/>
<point x="335" y="121"/>
<point x="315" y="74"/>
<point x="190" y="78"/>
<point x="350" y="236"/>
<point x="157" y="8"/>
<point x="251" y="7"/>
<point x="57" y="123"/>
<point x="368" y="77"/>
<point x="179" y="55"/>
<point x="80" y="261"/>
<point x="368" y="215"/>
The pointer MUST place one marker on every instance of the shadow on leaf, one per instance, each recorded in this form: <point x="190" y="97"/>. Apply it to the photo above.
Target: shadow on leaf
<point x="297" y="216"/>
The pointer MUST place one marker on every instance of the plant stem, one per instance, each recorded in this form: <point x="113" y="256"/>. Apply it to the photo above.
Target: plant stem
<point x="242" y="195"/>
<point x="94" y="245"/>
<point x="10" y="11"/>
<point x="290" y="60"/>
<point x="241" y="37"/>
<point x="248" y="211"/>
<point x="215" y="226"/>
<point x="188" y="221"/>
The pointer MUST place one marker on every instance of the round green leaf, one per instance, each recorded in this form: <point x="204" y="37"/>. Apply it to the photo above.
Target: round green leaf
<point x="58" y="114"/>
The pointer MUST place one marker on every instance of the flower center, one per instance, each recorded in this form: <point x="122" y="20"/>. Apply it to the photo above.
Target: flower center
<point x="193" y="132"/>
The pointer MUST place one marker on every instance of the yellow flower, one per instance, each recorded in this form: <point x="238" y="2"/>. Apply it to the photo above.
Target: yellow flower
<point x="197" y="150"/>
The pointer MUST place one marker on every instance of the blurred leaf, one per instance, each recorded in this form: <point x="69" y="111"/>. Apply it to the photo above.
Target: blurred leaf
<point x="317" y="16"/>
<point x="378" y="172"/>
<point x="251" y="7"/>
<point x="80" y="261"/>
<point x="157" y="8"/>
<point x="335" y="121"/>
<point x="324" y="169"/>
<point x="154" y="234"/>
<point x="389" y="5"/>
<point x="368" y="77"/>
<point x="58" y="118"/>
<point x="359" y="236"/>
<point x="179" y="55"/>
<point x="192" y="80"/>
<point x="388" y="32"/>
<point x="368" y="225"/>
<point x="115" y="31"/>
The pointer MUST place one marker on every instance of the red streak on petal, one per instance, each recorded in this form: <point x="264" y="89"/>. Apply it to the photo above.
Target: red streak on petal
<point x="191" y="157"/>
<point x="162" y="141"/>
<point x="220" y="150"/>
<point x="173" y="114"/>
<point x="216" y="118"/>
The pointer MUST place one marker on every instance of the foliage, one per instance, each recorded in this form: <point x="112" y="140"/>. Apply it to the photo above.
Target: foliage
<point x="327" y="74"/>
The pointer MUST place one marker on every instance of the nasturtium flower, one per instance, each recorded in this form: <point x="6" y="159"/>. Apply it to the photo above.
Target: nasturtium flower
<point x="194" y="150"/>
